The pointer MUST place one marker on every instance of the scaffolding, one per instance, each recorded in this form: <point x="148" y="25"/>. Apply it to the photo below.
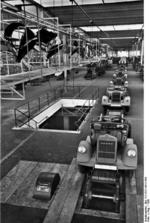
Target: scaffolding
<point x="34" y="66"/>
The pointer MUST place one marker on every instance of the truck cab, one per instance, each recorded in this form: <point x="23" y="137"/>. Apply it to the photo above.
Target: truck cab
<point x="109" y="146"/>
<point x="116" y="97"/>
<point x="120" y="79"/>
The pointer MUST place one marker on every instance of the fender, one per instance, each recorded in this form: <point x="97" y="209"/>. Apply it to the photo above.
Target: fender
<point x="104" y="100"/>
<point x="111" y="83"/>
<point x="126" y="84"/>
<point x="127" y="160"/>
<point x="125" y="75"/>
<point x="127" y="101"/>
<point x="84" y="157"/>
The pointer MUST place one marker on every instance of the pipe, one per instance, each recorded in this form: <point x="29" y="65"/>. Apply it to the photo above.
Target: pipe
<point x="91" y="21"/>
<point x="42" y="22"/>
<point x="102" y="196"/>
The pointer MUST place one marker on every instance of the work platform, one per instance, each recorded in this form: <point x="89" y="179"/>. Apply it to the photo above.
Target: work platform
<point x="23" y="77"/>
<point x="19" y="78"/>
<point x="9" y="82"/>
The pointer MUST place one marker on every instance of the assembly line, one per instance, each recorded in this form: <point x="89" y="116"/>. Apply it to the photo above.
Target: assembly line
<point x="72" y="85"/>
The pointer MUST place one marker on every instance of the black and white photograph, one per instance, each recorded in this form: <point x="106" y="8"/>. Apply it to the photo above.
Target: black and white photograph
<point x="74" y="111"/>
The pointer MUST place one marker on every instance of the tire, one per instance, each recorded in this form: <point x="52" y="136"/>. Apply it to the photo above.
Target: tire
<point x="93" y="140"/>
<point x="82" y="169"/>
<point x="105" y="110"/>
<point x="129" y="133"/>
<point x="127" y="109"/>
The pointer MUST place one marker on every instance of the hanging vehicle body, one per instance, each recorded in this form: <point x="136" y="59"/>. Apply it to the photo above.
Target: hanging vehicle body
<point x="30" y="40"/>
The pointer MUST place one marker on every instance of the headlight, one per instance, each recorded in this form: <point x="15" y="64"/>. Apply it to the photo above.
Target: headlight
<point x="131" y="153"/>
<point x="81" y="149"/>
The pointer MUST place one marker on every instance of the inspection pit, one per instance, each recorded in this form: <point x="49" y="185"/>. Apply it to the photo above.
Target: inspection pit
<point x="65" y="115"/>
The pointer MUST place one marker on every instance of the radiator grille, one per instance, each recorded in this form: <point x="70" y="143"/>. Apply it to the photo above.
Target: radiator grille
<point x="116" y="97"/>
<point x="106" y="149"/>
<point x="118" y="81"/>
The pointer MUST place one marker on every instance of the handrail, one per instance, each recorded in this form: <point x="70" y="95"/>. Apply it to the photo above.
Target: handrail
<point x="41" y="120"/>
<point x="27" y="116"/>
<point x="93" y="96"/>
<point x="78" y="121"/>
<point x="25" y="123"/>
<point x="39" y="108"/>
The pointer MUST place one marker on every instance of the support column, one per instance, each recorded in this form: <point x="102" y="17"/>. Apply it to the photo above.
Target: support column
<point x="65" y="54"/>
<point x="79" y="50"/>
<point x="142" y="52"/>
<point x="66" y="122"/>
<point x="7" y="62"/>
<point x="65" y="80"/>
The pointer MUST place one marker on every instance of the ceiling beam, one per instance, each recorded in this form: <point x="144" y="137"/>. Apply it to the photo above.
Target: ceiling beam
<point x="105" y="22"/>
<point x="119" y="43"/>
<point x="115" y="34"/>
<point x="102" y="14"/>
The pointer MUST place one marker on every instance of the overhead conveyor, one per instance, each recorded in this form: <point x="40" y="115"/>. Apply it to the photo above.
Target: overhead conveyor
<point x="42" y="40"/>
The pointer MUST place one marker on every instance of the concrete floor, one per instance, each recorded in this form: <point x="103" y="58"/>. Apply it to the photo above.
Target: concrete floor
<point x="33" y="144"/>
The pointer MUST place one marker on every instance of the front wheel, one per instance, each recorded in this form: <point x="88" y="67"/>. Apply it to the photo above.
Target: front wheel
<point x="82" y="169"/>
<point x="126" y="110"/>
<point x="105" y="109"/>
<point x="129" y="133"/>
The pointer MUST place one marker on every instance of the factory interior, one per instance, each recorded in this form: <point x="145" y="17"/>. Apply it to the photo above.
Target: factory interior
<point x="72" y="111"/>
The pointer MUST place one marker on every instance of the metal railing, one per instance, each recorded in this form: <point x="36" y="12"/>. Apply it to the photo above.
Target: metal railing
<point x="26" y="112"/>
<point x="94" y="96"/>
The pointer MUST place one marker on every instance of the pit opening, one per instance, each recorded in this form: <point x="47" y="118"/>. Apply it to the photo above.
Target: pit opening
<point x="65" y="115"/>
<point x="66" y="118"/>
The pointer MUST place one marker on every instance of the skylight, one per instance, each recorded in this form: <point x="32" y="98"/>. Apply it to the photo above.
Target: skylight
<point x="53" y="3"/>
<point x="112" y="28"/>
